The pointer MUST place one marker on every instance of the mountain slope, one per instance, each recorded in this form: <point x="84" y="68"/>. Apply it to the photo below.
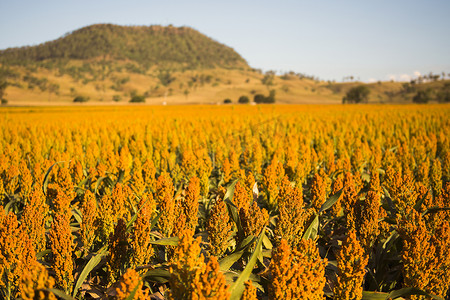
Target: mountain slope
<point x="146" y="45"/>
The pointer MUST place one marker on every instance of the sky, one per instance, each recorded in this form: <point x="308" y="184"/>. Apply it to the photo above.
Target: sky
<point x="329" y="39"/>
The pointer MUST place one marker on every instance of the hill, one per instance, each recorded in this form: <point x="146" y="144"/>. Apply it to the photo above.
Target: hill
<point x="107" y="63"/>
<point x="146" y="45"/>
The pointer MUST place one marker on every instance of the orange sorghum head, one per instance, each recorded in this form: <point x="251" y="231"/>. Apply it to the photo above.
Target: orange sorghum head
<point x="34" y="218"/>
<point x="34" y="282"/>
<point x="130" y="282"/>
<point x="436" y="177"/>
<point x="61" y="244"/>
<point x="297" y="273"/>
<point x="249" y="291"/>
<point x="292" y="215"/>
<point x="166" y="203"/>
<point x="367" y="220"/>
<point x="142" y="249"/>
<point x="351" y="263"/>
<point x="191" y="277"/>
<point x="219" y="227"/>
<point x="241" y="196"/>
<point x="318" y="191"/>
<point x="118" y="251"/>
<point x="425" y="265"/>
<point x="89" y="225"/>
<point x="148" y="174"/>
<point x="26" y="181"/>
<point x="190" y="203"/>
<point x="16" y="253"/>
<point x="60" y="200"/>
<point x="253" y="219"/>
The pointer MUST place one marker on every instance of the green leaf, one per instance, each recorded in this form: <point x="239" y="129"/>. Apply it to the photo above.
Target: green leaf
<point x="93" y="262"/>
<point x="9" y="206"/>
<point x="120" y="177"/>
<point x="77" y="215"/>
<point x="330" y="201"/>
<point x="171" y="241"/>
<point x="43" y="253"/>
<point x="226" y="262"/>
<point x="434" y="209"/>
<point x="332" y="264"/>
<point x="419" y="203"/>
<point x="238" y="286"/>
<point x="157" y="275"/>
<point x="155" y="220"/>
<point x="366" y="177"/>
<point x="373" y="295"/>
<point x="410" y="291"/>
<point x="60" y="294"/>
<point x="234" y="214"/>
<point x="247" y="241"/>
<point x="391" y="239"/>
<point x="266" y="242"/>
<point x="230" y="190"/>
<point x="312" y="230"/>
<point x="97" y="184"/>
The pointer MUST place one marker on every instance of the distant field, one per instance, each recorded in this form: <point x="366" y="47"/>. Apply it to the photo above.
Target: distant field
<point x="225" y="202"/>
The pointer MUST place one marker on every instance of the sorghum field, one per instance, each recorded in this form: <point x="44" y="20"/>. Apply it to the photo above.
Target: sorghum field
<point x="225" y="202"/>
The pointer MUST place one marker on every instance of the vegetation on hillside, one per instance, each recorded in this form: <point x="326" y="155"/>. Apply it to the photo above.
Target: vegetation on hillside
<point x="146" y="45"/>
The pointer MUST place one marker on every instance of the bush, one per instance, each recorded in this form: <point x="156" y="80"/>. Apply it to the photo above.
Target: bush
<point x="271" y="98"/>
<point x="4" y="101"/>
<point x="117" y="98"/>
<point x="137" y="99"/>
<point x="259" y="98"/>
<point x="422" y="96"/>
<point x="80" y="99"/>
<point x="357" y="94"/>
<point x="227" y="101"/>
<point x="243" y="100"/>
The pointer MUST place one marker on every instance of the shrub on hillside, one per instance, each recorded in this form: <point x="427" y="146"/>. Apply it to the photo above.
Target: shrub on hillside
<point x="260" y="98"/>
<point x="227" y="101"/>
<point x="80" y="99"/>
<point x="137" y="99"/>
<point x="357" y="94"/>
<point x="422" y="96"/>
<point x="243" y="100"/>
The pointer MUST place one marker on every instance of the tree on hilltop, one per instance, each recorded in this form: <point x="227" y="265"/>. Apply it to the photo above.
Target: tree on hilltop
<point x="357" y="94"/>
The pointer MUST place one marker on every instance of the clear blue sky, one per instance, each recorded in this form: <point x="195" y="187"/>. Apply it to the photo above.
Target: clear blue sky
<point x="371" y="40"/>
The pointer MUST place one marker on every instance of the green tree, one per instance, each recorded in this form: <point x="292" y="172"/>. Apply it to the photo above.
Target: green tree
<point x="243" y="100"/>
<point x="80" y="99"/>
<point x="444" y="94"/>
<point x="271" y="98"/>
<point x="357" y="94"/>
<point x="137" y="99"/>
<point x="422" y="96"/>
<point x="259" y="98"/>
<point x="3" y="85"/>
<point x="268" y="79"/>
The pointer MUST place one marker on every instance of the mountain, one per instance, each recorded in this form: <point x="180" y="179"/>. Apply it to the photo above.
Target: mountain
<point x="107" y="63"/>
<point x="146" y="45"/>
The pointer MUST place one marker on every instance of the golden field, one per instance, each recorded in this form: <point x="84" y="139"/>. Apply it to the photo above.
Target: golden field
<point x="225" y="202"/>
